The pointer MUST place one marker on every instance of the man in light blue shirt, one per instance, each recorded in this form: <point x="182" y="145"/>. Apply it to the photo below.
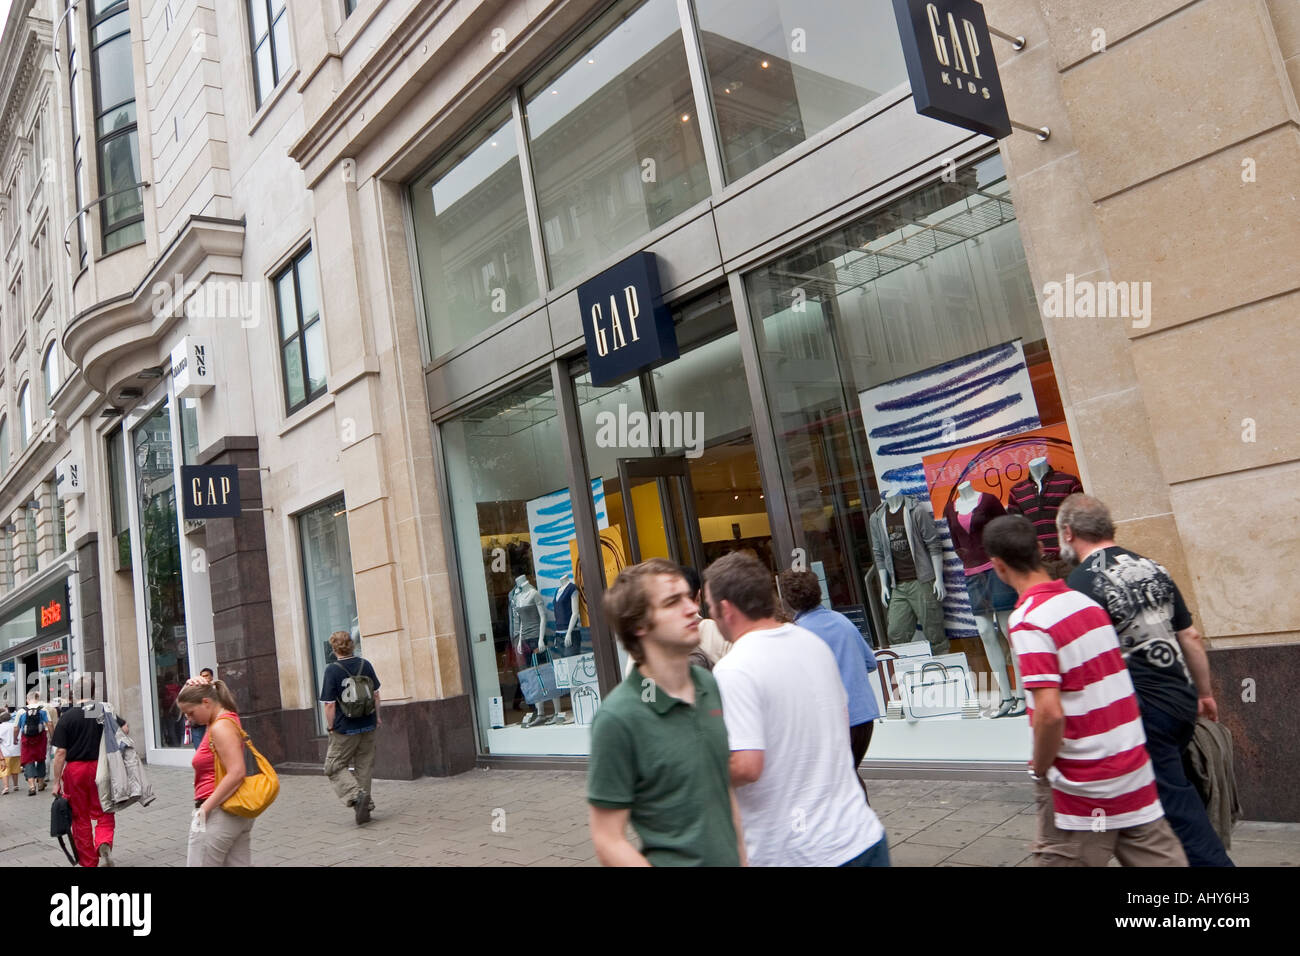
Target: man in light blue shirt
<point x="802" y="591"/>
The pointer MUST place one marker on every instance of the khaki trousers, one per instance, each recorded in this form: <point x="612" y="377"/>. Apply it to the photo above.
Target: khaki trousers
<point x="225" y="840"/>
<point x="1150" y="844"/>
<point x="350" y="750"/>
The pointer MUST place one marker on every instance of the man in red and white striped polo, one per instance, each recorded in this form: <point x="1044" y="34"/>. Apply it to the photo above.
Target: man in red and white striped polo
<point x="1096" y="787"/>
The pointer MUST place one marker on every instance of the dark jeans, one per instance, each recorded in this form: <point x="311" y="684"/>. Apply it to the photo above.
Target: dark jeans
<point x="877" y="855"/>
<point x="859" y="741"/>
<point x="1167" y="738"/>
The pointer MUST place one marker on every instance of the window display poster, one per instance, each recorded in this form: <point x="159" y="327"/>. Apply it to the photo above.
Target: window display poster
<point x="982" y="396"/>
<point x="551" y="528"/>
<point x="998" y="465"/>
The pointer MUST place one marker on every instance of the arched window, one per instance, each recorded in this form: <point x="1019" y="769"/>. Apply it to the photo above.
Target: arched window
<point x="25" y="412"/>
<point x="50" y="372"/>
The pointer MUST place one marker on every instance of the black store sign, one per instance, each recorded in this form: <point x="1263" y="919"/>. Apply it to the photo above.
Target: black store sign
<point x="949" y="56"/>
<point x="625" y="323"/>
<point x="210" y="491"/>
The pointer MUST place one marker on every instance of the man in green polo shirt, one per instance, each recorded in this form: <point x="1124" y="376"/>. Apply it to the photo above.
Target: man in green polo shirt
<point x="659" y="753"/>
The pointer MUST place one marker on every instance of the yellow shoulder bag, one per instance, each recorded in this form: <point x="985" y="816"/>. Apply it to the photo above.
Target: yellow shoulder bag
<point x="260" y="785"/>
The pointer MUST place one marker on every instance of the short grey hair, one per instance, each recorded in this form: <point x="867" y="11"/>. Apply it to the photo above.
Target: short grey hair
<point x="1087" y="517"/>
<point x="83" y="687"/>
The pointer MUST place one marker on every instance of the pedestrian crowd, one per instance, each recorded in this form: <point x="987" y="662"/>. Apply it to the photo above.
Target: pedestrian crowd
<point x="745" y="711"/>
<point x="748" y="753"/>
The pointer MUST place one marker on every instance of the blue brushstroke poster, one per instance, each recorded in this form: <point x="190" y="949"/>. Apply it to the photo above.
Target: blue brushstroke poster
<point x="984" y="395"/>
<point x="551" y="528"/>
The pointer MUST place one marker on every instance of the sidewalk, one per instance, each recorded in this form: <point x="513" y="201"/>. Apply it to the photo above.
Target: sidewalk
<point x="540" y="819"/>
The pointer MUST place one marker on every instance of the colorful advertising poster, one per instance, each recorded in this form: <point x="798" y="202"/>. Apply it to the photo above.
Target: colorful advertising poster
<point x="52" y="656"/>
<point x="551" y="527"/>
<point x="996" y="466"/>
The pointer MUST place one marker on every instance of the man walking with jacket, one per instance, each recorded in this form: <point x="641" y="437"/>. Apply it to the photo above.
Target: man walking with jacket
<point x="350" y="693"/>
<point x="76" y="757"/>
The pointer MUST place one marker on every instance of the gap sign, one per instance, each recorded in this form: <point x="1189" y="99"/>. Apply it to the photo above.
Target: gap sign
<point x="625" y="323"/>
<point x="949" y="55"/>
<point x="210" y="491"/>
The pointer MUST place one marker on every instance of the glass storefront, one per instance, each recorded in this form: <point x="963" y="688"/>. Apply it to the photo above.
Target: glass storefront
<point x="781" y="71"/>
<point x="901" y="359"/>
<point x="614" y="137"/>
<point x="160" y="569"/>
<point x="327" y="580"/>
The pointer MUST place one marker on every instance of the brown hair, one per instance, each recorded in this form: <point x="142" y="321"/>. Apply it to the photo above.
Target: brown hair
<point x="627" y="602"/>
<point x="743" y="580"/>
<point x="1012" y="538"/>
<point x="801" y="590"/>
<point x="341" y="642"/>
<point x="198" y="693"/>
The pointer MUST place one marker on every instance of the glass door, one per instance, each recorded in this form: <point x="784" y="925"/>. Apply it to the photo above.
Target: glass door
<point x="660" y="509"/>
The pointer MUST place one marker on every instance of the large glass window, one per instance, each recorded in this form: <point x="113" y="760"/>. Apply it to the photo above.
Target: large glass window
<point x="4" y="445"/>
<point x="302" y="341"/>
<point x="515" y="537"/>
<point x="70" y="37"/>
<point x="164" y="595"/>
<point x="30" y="540"/>
<point x="471" y="234"/>
<point x="327" y="580"/>
<point x="116" y="137"/>
<point x="268" y="26"/>
<point x="121" y="525"/>
<point x="903" y="355"/>
<point x="614" y="137"/>
<point x="50" y="374"/>
<point x="781" y="71"/>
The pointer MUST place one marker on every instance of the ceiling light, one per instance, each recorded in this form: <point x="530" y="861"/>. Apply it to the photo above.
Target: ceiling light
<point x="764" y="64"/>
<point x="686" y="117"/>
<point x="124" y="394"/>
<point x="112" y="411"/>
<point x="727" y="90"/>
<point x="152" y="372"/>
<point x="590" y="60"/>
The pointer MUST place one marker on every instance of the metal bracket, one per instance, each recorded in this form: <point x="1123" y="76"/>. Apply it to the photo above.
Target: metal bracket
<point x="1044" y="133"/>
<point x="1017" y="42"/>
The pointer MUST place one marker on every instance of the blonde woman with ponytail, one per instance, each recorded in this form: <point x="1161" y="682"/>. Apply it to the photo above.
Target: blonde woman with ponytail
<point x="217" y="838"/>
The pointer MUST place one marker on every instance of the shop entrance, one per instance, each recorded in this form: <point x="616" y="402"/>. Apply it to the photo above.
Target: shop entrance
<point x="660" y="509"/>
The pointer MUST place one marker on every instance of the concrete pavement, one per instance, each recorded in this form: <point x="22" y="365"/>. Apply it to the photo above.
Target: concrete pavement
<point x="539" y="818"/>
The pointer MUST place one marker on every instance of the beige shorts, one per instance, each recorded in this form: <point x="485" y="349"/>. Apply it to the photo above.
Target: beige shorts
<point x="13" y="766"/>
<point x="1150" y="844"/>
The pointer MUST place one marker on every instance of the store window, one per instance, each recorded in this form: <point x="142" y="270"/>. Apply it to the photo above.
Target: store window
<point x="614" y="137"/>
<point x="781" y="71"/>
<point x="117" y="140"/>
<point x="268" y="25"/>
<point x="471" y="233"/>
<point x="120" y="517"/>
<point x="160" y="557"/>
<point x="302" y="336"/>
<point x="904" y="359"/>
<point x="516" y="542"/>
<point x="327" y="580"/>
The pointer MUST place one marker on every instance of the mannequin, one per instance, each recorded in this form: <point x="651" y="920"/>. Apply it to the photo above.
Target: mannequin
<point x="527" y="625"/>
<point x="909" y="564"/>
<point x="566" y="613"/>
<point x="1039" y="498"/>
<point x="991" y="600"/>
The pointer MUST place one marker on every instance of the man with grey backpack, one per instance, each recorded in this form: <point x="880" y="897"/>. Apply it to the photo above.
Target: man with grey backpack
<point x="350" y="693"/>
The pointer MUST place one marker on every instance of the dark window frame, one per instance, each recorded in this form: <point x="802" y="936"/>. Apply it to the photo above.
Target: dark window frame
<point x="94" y="20"/>
<point x="278" y="71"/>
<point x="299" y="336"/>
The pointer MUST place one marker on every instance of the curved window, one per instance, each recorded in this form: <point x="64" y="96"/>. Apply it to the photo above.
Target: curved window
<point x="117" y="141"/>
<point x="25" y="413"/>
<point x="50" y="372"/>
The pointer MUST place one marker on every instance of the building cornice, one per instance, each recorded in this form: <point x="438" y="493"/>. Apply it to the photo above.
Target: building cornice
<point x="20" y="61"/>
<point x="100" y="339"/>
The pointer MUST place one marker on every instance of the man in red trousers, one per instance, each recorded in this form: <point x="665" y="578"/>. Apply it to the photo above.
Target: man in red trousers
<point x="76" y="756"/>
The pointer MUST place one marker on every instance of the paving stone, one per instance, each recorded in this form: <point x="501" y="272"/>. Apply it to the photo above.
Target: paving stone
<point x="953" y="833"/>
<point x="992" y="851"/>
<point x="1019" y="827"/>
<point x="987" y="812"/>
<point x="914" y="854"/>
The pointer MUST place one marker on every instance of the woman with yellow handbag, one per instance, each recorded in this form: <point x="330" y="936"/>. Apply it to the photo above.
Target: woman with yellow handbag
<point x="233" y="783"/>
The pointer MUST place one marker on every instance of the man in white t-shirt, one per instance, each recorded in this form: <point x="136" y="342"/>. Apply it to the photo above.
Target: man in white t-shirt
<point x="787" y="727"/>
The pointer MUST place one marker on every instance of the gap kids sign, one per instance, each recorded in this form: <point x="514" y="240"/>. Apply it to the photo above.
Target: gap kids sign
<point x="949" y="56"/>
<point x="625" y="323"/>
